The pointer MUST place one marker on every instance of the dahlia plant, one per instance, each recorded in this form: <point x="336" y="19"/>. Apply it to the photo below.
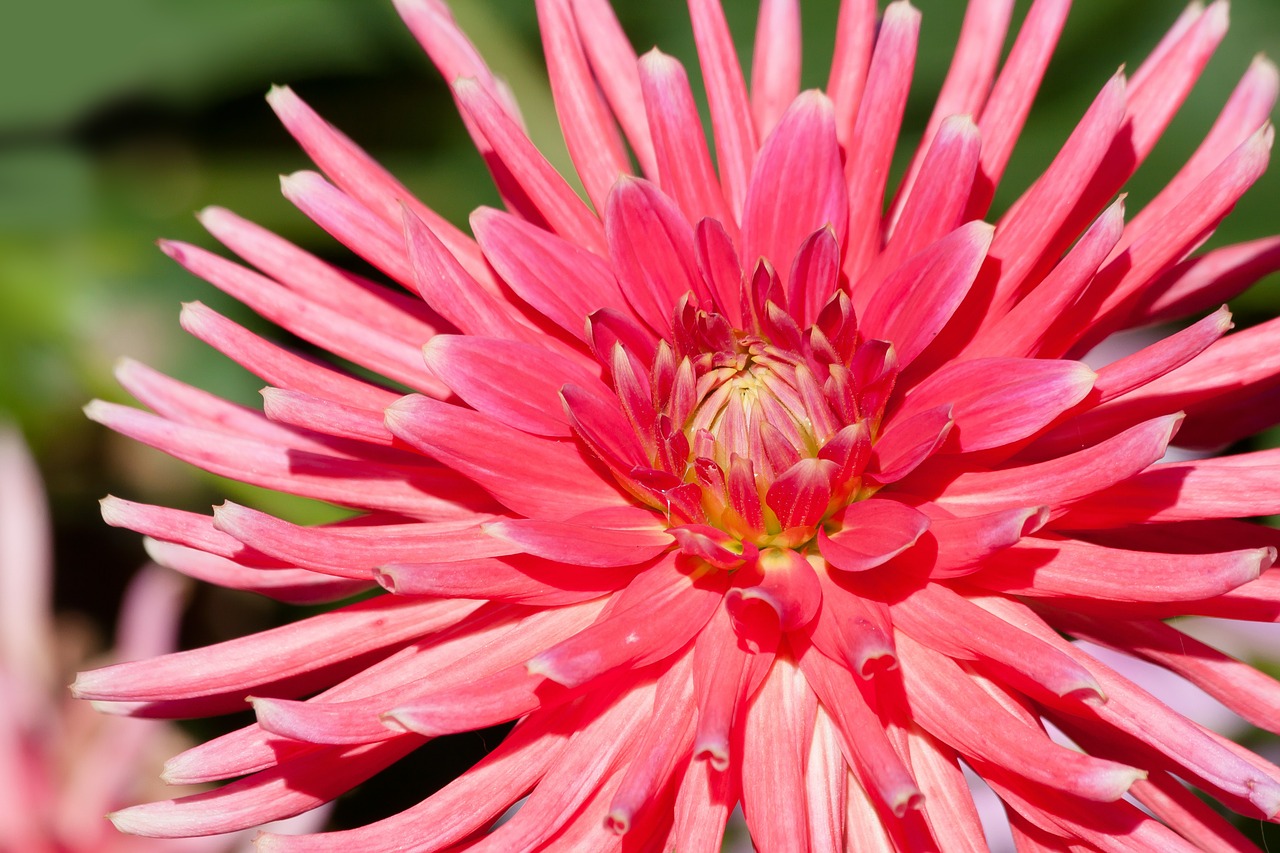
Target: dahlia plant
<point x="747" y="479"/>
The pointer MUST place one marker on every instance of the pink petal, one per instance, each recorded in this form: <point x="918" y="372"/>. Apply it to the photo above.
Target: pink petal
<point x="1065" y="478"/>
<point x="797" y="186"/>
<point x="584" y="542"/>
<point x="294" y="650"/>
<point x="655" y="616"/>
<point x="968" y="83"/>
<point x="948" y="803"/>
<point x="355" y="173"/>
<point x="863" y="738"/>
<point x="685" y="172"/>
<point x="534" y="476"/>
<point x="280" y="366"/>
<point x="987" y="731"/>
<point x="544" y="188"/>
<point x="326" y="328"/>
<point x="875" y="135"/>
<point x="518" y="579"/>
<point x="292" y="586"/>
<point x="964" y="544"/>
<point x="1038" y="567"/>
<point x="1198" y="284"/>
<point x="424" y="491"/>
<point x="775" y="66"/>
<point x="735" y="135"/>
<point x="1010" y="101"/>
<point x="561" y="280"/>
<point x="512" y="382"/>
<point x="651" y="246"/>
<point x="914" y="303"/>
<point x="998" y="401"/>
<point x="589" y="130"/>
<point x="613" y="62"/>
<point x="873" y="532"/>
<point x="908" y="442"/>
<point x="355" y="550"/>
<point x="778" y="725"/>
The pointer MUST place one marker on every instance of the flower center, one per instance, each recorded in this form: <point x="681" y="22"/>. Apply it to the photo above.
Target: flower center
<point x="756" y="438"/>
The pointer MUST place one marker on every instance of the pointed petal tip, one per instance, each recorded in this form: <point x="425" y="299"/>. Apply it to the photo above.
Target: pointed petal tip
<point x="715" y="751"/>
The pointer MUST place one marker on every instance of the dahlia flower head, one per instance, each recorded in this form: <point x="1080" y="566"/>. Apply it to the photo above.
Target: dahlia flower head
<point x="62" y="766"/>
<point x="747" y="479"/>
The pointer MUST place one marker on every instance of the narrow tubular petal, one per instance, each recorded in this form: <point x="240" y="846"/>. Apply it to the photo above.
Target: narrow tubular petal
<point x="660" y="611"/>
<point x="357" y="175"/>
<point x="705" y="799"/>
<point x="442" y="671"/>
<point x="479" y="703"/>
<point x="964" y="544"/>
<point x="776" y="734"/>
<point x="359" y="429"/>
<point x="1237" y="486"/>
<point x="1032" y="234"/>
<point x="874" y="532"/>
<point x="659" y="749"/>
<point x="280" y="366"/>
<point x="1038" y="567"/>
<point x="826" y="784"/>
<point x="173" y="525"/>
<point x="935" y="683"/>
<point x="948" y="801"/>
<point x="1249" y="107"/>
<point x="326" y="328"/>
<point x="851" y="57"/>
<point x="562" y="281"/>
<point x="1249" y="692"/>
<point x="293" y="586"/>
<point x="968" y="82"/>
<point x="684" y="164"/>
<point x="355" y="550"/>
<point x="1066" y="478"/>
<point x="1191" y="748"/>
<point x="875" y="134"/>
<point x="512" y="382"/>
<point x="735" y="134"/>
<point x="797" y="186"/>
<point x="399" y="314"/>
<point x="546" y="190"/>
<point x="518" y="579"/>
<point x="1010" y="101"/>
<point x="589" y="131"/>
<point x="1156" y="360"/>
<point x="915" y="302"/>
<point x="651" y="246"/>
<point x="853" y="629"/>
<point x="470" y="802"/>
<point x="863" y="739"/>
<point x="947" y="622"/>
<point x="613" y="61"/>
<point x="722" y="665"/>
<point x="293" y="650"/>
<point x="939" y="195"/>
<point x="1034" y="326"/>
<point x="581" y="542"/>
<point x="449" y="289"/>
<point x="421" y="492"/>
<point x="998" y="401"/>
<point x="775" y="65"/>
<point x="1124" y="279"/>
<point x="534" y="476"/>
<point x="266" y="796"/>
<point x="1198" y="284"/>
<point x="1189" y="816"/>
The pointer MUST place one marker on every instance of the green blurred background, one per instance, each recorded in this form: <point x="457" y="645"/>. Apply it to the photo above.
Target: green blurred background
<point x="119" y="119"/>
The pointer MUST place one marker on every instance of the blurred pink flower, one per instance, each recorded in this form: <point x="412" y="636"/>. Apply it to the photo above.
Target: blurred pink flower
<point x="736" y="485"/>
<point x="62" y="766"/>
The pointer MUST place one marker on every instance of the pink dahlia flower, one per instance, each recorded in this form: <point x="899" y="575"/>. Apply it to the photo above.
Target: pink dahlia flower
<point x="745" y="480"/>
